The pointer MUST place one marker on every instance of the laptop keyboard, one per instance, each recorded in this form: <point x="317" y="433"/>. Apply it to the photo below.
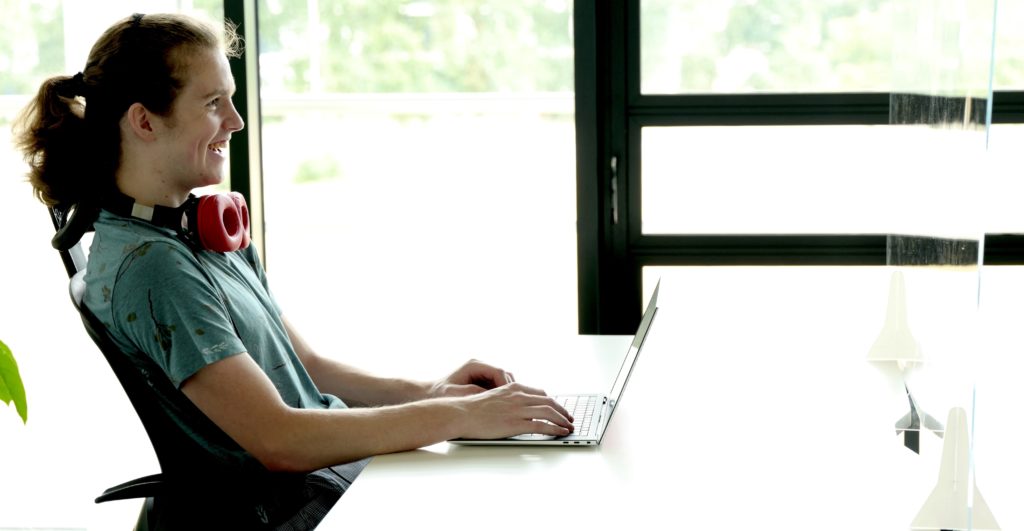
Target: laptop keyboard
<point x="584" y="410"/>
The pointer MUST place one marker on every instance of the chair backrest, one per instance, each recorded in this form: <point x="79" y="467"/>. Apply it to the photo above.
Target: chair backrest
<point x="148" y="389"/>
<point x="140" y="379"/>
<point x="230" y="484"/>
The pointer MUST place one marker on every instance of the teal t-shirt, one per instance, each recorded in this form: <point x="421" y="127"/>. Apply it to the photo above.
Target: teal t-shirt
<point x="186" y="309"/>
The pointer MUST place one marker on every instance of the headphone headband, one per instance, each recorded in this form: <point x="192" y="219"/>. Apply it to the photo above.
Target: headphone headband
<point x="217" y="222"/>
<point x="118" y="203"/>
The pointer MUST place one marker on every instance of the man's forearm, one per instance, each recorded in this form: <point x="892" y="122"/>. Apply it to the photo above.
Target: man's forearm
<point x="311" y="439"/>
<point x="354" y="386"/>
<point x="360" y="388"/>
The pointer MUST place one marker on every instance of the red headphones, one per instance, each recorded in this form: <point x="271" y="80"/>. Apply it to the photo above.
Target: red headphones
<point x="221" y="222"/>
<point x="215" y="222"/>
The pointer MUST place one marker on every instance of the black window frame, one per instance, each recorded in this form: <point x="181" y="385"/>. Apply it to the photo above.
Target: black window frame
<point x="246" y="153"/>
<point x="611" y="110"/>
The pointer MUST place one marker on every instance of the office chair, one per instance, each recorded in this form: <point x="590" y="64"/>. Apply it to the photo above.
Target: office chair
<point x="192" y="483"/>
<point x="74" y="263"/>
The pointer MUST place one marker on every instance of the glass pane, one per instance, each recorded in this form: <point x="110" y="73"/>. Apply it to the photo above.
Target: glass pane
<point x="1002" y="206"/>
<point x="1009" y="71"/>
<point x="743" y="46"/>
<point x="758" y="46"/>
<point x="419" y="174"/>
<point x="826" y="179"/>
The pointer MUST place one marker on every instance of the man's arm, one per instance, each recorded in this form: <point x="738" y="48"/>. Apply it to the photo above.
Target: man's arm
<point x="236" y="395"/>
<point x="353" y="385"/>
<point x="357" y="387"/>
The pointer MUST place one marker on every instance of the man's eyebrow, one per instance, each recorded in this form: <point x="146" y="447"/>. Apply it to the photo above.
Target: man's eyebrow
<point x="218" y="92"/>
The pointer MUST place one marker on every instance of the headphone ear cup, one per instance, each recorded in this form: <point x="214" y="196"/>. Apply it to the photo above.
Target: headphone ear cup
<point x="243" y="210"/>
<point x="219" y="223"/>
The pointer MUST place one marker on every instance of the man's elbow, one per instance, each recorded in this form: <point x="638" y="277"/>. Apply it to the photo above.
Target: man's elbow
<point x="282" y="457"/>
<point x="279" y="449"/>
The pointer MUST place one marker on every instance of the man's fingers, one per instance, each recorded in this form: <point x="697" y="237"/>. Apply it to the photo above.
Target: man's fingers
<point x="544" y="428"/>
<point x="482" y="374"/>
<point x="549" y="414"/>
<point x="541" y="399"/>
<point x="515" y="409"/>
<point x="561" y="410"/>
<point x="529" y="397"/>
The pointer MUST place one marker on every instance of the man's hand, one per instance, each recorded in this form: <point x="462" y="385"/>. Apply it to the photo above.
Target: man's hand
<point x="495" y="406"/>
<point x="472" y="378"/>
<point x="513" y="409"/>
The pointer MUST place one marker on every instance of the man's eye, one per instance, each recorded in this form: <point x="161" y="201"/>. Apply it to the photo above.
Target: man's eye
<point x="214" y="102"/>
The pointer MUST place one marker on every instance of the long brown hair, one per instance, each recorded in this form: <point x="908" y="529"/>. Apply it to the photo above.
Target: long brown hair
<point x="70" y="134"/>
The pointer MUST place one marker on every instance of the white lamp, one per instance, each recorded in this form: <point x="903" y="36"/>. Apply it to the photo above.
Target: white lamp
<point x="896" y="353"/>
<point x="948" y="506"/>
<point x="895" y="343"/>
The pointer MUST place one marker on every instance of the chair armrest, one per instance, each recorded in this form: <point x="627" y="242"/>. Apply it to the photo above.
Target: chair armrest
<point x="144" y="487"/>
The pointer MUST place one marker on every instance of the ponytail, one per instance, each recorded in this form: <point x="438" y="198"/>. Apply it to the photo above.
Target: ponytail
<point x="54" y="138"/>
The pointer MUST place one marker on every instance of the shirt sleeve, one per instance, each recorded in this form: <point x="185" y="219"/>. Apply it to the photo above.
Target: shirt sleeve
<point x="167" y="307"/>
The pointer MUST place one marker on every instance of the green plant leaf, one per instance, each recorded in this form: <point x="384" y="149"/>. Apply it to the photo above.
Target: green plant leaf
<point x="11" y="387"/>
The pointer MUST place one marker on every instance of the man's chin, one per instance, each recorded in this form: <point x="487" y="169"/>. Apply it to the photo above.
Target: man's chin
<point x="211" y="179"/>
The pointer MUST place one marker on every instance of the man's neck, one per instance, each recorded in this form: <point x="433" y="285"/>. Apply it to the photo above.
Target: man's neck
<point x="146" y="188"/>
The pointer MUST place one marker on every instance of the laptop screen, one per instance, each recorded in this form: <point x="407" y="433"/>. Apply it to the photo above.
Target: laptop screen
<point x="634" y="348"/>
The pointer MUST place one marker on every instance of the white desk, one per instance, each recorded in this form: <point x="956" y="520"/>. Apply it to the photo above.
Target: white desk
<point x="752" y="405"/>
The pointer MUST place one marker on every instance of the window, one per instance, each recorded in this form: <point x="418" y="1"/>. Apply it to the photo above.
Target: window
<point x="766" y="46"/>
<point x="418" y="173"/>
<point x="776" y="132"/>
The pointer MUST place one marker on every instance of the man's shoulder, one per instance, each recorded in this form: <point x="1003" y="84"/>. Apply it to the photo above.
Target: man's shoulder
<point x="125" y="250"/>
<point x="119" y="239"/>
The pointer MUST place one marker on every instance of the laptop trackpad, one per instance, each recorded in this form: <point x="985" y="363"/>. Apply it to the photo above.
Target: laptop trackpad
<point x="533" y="437"/>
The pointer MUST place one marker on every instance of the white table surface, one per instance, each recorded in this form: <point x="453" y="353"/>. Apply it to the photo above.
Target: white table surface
<point x="752" y="405"/>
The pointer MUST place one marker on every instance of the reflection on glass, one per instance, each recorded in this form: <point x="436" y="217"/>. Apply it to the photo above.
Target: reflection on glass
<point x="942" y="69"/>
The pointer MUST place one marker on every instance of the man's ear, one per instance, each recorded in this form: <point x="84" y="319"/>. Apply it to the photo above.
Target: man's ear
<point x="140" y="122"/>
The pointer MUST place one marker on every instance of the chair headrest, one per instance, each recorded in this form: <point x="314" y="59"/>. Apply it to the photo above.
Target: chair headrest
<point x="78" y="220"/>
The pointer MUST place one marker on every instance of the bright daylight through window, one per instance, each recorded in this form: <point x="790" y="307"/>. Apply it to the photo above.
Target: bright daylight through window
<point x="419" y="170"/>
<point x="820" y="179"/>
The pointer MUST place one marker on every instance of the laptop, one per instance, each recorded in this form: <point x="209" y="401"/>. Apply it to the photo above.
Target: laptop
<point x="591" y="412"/>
